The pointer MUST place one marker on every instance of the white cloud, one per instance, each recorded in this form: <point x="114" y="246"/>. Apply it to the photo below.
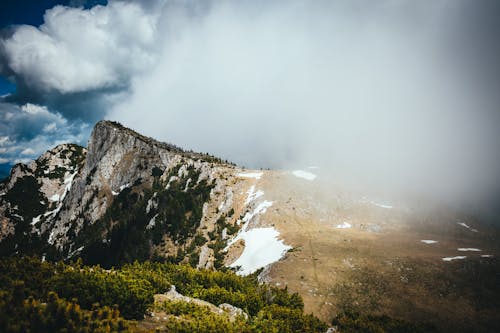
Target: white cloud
<point x="4" y="160"/>
<point x="78" y="50"/>
<point x="28" y="151"/>
<point x="372" y="93"/>
<point x="22" y="160"/>
<point x="4" y="140"/>
<point x="33" y="109"/>
<point x="31" y="130"/>
<point x="49" y="128"/>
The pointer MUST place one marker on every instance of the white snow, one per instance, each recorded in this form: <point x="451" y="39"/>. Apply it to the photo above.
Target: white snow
<point x="260" y="209"/>
<point x="51" y="236"/>
<point x="252" y="194"/>
<point x="152" y="222"/>
<point x="18" y="216"/>
<point x="486" y="256"/>
<point x="382" y="205"/>
<point x="55" y="197"/>
<point x="454" y="258"/>
<point x="68" y="181"/>
<point x="72" y="253"/>
<point x="262" y="247"/>
<point x="466" y="226"/>
<point x="255" y="175"/>
<point x="36" y="219"/>
<point x="304" y="174"/>
<point x="187" y="184"/>
<point x="122" y="187"/>
<point x="463" y="249"/>
<point x="428" y="241"/>
<point x="344" y="225"/>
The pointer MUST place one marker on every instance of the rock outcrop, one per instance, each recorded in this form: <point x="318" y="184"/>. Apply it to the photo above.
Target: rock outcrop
<point x="231" y="311"/>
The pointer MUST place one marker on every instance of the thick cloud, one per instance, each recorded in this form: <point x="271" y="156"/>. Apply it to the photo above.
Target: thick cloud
<point x="29" y="130"/>
<point x="79" y="50"/>
<point x="396" y="95"/>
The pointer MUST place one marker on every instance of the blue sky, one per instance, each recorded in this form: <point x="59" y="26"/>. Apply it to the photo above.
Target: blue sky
<point x="31" y="11"/>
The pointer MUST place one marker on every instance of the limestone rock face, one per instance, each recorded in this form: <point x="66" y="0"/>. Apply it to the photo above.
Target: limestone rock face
<point x="126" y="195"/>
<point x="33" y="193"/>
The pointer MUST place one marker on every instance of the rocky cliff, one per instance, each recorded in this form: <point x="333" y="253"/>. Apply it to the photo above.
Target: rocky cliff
<point x="124" y="198"/>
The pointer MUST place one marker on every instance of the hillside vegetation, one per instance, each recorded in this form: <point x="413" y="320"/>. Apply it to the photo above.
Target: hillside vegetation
<point x="38" y="296"/>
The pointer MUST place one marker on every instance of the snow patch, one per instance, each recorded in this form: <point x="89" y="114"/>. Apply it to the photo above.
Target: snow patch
<point x="304" y="174"/>
<point x="255" y="175"/>
<point x="18" y="216"/>
<point x="486" y="256"/>
<point x="36" y="219"/>
<point x="262" y="247"/>
<point x="467" y="226"/>
<point x="345" y="225"/>
<point x="463" y="249"/>
<point x="252" y="194"/>
<point x="454" y="258"/>
<point x="187" y="184"/>
<point x="122" y="187"/>
<point x="381" y="205"/>
<point x="55" y="197"/>
<point x="260" y="209"/>
<point x="69" y="182"/>
<point x="152" y="222"/>
<point x="72" y="253"/>
<point x="428" y="241"/>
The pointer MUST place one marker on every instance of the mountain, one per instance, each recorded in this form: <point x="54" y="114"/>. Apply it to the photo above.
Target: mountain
<point x="124" y="198"/>
<point x="349" y="255"/>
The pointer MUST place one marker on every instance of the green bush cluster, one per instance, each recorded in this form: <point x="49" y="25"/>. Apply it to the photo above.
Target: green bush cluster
<point x="56" y="315"/>
<point x="38" y="296"/>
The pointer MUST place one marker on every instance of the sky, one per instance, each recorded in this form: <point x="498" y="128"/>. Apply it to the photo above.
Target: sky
<point x="390" y="94"/>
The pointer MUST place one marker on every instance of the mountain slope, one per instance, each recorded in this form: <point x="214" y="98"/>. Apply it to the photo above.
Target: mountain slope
<point x="128" y="197"/>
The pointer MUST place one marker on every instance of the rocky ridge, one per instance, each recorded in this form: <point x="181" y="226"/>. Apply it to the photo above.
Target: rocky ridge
<point x="125" y="197"/>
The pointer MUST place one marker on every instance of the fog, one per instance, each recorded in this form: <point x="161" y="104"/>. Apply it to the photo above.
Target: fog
<point x="381" y="95"/>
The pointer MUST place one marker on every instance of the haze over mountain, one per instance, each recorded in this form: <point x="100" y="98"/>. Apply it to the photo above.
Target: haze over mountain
<point x="396" y="97"/>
